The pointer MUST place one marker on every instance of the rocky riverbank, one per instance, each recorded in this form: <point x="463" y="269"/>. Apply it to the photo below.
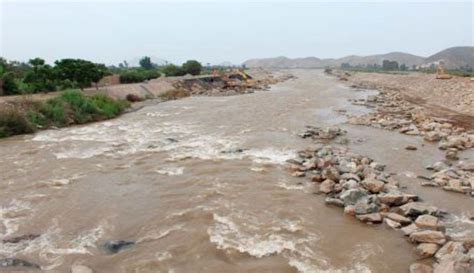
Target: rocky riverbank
<point x="392" y="110"/>
<point x="361" y="187"/>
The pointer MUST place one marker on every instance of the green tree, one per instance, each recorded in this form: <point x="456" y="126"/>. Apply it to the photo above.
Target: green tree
<point x="8" y="85"/>
<point x="83" y="72"/>
<point x="389" y="65"/>
<point x="146" y="63"/>
<point x="172" y="70"/>
<point x="192" y="67"/>
<point x="41" y="76"/>
<point x="403" y="67"/>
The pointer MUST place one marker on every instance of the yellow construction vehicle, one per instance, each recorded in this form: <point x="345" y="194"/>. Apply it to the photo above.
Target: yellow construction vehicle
<point x="441" y="74"/>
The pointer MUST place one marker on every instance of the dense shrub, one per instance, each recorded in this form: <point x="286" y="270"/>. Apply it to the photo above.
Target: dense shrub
<point x="13" y="122"/>
<point x="70" y="107"/>
<point x="192" y="67"/>
<point x="138" y="75"/>
<point x="172" y="70"/>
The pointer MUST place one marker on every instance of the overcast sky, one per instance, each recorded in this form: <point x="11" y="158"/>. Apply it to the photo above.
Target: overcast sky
<point x="113" y="31"/>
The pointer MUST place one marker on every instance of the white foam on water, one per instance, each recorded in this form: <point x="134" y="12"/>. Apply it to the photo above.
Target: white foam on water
<point x="171" y="171"/>
<point x="162" y="256"/>
<point x="285" y="185"/>
<point x="257" y="169"/>
<point x="270" y="155"/>
<point x="307" y="266"/>
<point x="228" y="235"/>
<point x="11" y="216"/>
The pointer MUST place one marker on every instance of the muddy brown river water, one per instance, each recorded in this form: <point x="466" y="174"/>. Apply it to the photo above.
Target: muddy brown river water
<point x="200" y="185"/>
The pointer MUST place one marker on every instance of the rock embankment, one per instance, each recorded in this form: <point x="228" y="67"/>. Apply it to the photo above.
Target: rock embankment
<point x="361" y="187"/>
<point x="395" y="111"/>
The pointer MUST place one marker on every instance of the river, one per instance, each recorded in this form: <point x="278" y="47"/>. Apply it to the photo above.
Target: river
<point x="200" y="185"/>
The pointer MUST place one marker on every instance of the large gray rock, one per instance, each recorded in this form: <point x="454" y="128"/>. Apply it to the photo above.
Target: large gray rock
<point x="350" y="197"/>
<point x="414" y="209"/>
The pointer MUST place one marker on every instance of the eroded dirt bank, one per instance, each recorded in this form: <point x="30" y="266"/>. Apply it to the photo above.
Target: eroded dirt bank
<point x="202" y="185"/>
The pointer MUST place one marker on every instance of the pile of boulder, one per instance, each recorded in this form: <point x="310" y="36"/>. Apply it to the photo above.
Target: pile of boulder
<point x="322" y="133"/>
<point x="392" y="112"/>
<point x="452" y="177"/>
<point x="365" y="191"/>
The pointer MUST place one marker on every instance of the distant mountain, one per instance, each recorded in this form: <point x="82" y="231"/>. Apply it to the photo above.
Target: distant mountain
<point x="453" y="57"/>
<point x="400" y="57"/>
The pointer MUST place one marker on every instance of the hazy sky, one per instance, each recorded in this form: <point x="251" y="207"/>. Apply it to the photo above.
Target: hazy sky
<point x="112" y="31"/>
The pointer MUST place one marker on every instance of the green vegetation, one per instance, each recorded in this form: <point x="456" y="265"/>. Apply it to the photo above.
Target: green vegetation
<point x="37" y="76"/>
<point x="70" y="107"/>
<point x="138" y="75"/>
<point x="146" y="63"/>
<point x="172" y="70"/>
<point x="192" y="67"/>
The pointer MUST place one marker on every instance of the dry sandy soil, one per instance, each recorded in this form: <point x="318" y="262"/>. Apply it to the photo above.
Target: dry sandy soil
<point x="453" y="98"/>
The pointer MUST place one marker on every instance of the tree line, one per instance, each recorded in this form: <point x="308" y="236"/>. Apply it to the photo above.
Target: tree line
<point x="37" y="76"/>
<point x="387" y="65"/>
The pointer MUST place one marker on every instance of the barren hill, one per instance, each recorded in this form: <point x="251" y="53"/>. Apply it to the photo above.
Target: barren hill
<point x="454" y="57"/>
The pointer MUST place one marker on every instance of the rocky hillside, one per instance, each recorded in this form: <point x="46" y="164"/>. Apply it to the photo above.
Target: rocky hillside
<point x="453" y="57"/>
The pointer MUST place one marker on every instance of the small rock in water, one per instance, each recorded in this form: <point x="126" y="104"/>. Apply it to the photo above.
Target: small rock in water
<point x="391" y="223"/>
<point x="411" y="148"/>
<point x="452" y="154"/>
<point x="370" y="218"/>
<point x="115" y="246"/>
<point x="14" y="262"/>
<point x="334" y="201"/>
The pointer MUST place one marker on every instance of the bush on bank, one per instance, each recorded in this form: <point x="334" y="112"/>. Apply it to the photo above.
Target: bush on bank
<point x="70" y="107"/>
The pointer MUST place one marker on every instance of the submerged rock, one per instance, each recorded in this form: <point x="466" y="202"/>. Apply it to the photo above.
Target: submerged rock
<point x="115" y="246"/>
